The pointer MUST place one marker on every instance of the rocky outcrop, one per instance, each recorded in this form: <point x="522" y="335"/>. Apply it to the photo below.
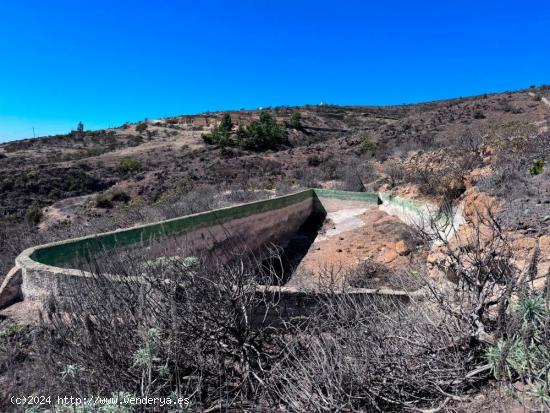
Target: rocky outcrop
<point x="522" y="247"/>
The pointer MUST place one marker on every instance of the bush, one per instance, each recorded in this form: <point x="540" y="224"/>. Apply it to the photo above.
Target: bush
<point x="119" y="195"/>
<point x="141" y="127"/>
<point x="295" y="121"/>
<point x="106" y="199"/>
<point x="103" y="200"/>
<point x="395" y="171"/>
<point x="34" y="214"/>
<point x="354" y="175"/>
<point x="129" y="166"/>
<point x="261" y="134"/>
<point x="226" y="124"/>
<point x="536" y="168"/>
<point x="221" y="134"/>
<point x="367" y="145"/>
<point x="257" y="136"/>
<point x="525" y="353"/>
<point x="314" y="160"/>
<point x="113" y="337"/>
<point x="479" y="114"/>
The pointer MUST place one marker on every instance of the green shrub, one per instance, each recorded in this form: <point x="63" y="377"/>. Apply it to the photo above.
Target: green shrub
<point x="226" y="124"/>
<point x="129" y="166"/>
<point x="34" y="214"/>
<point x="221" y="134"/>
<point x="537" y="167"/>
<point x="103" y="200"/>
<point x="367" y="145"/>
<point x="296" y="121"/>
<point x="118" y="195"/>
<point x="106" y="199"/>
<point x="261" y="134"/>
<point x="257" y="136"/>
<point x="479" y="114"/>
<point x="525" y="354"/>
<point x="209" y="138"/>
<point x="141" y="127"/>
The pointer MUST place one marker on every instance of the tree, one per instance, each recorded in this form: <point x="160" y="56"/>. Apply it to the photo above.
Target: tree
<point x="226" y="124"/>
<point x="259" y="135"/>
<point x="262" y="134"/>
<point x="221" y="134"/>
<point x="80" y="127"/>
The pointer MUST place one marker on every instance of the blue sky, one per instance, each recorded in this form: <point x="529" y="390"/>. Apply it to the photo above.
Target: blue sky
<point x="108" y="62"/>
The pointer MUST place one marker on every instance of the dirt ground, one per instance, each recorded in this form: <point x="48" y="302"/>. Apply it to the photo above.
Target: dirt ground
<point x="350" y="238"/>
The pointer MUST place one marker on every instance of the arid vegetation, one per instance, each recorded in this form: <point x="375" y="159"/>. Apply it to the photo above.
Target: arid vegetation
<point x="477" y="326"/>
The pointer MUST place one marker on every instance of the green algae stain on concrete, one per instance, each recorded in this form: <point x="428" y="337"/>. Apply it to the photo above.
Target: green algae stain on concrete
<point x="63" y="252"/>
<point x="66" y="251"/>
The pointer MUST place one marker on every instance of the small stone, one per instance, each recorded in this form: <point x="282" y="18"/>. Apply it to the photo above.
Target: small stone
<point x="389" y="255"/>
<point x="401" y="247"/>
<point x="338" y="250"/>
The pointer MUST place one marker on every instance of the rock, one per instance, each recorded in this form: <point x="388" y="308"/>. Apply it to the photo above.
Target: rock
<point x="10" y="290"/>
<point x="401" y="247"/>
<point x="389" y="255"/>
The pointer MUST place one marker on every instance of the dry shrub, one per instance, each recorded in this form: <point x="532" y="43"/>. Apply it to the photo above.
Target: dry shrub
<point x="355" y="175"/>
<point x="371" y="355"/>
<point x="206" y="332"/>
<point x="162" y="327"/>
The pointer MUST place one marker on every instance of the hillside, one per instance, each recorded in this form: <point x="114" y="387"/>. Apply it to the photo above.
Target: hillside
<point x="155" y="162"/>
<point x="486" y="156"/>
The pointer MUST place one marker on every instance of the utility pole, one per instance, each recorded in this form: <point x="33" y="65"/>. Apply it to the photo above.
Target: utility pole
<point x="33" y="134"/>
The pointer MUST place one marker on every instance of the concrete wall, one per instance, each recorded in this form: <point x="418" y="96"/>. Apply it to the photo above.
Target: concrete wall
<point x="422" y="214"/>
<point x="331" y="201"/>
<point x="46" y="269"/>
<point x="245" y="227"/>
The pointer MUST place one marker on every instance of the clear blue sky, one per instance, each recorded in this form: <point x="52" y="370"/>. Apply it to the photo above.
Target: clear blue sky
<point x="107" y="62"/>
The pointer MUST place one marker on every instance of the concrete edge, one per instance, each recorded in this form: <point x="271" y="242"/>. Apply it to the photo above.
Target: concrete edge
<point x="24" y="261"/>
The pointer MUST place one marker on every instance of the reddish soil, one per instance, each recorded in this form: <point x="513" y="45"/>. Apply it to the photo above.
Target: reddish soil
<point x="380" y="239"/>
